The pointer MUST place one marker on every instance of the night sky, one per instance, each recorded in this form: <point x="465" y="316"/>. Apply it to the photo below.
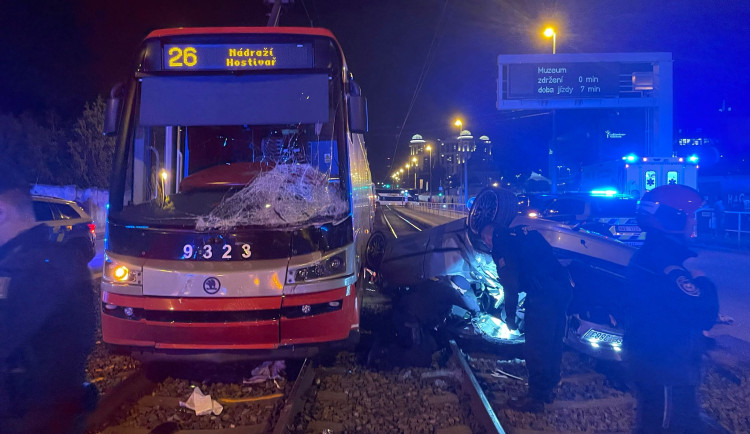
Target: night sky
<point x="55" y="55"/>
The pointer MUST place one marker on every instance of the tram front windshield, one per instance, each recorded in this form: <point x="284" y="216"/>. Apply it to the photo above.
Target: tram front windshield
<point x="253" y="150"/>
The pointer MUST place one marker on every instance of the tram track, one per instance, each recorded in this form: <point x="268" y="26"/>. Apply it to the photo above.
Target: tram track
<point x="152" y="400"/>
<point x="337" y="397"/>
<point x="345" y="394"/>
<point x="588" y="399"/>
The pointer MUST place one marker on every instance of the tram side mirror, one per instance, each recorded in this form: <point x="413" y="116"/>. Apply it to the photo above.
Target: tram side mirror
<point x="357" y="109"/>
<point x="112" y="113"/>
<point x="358" y="114"/>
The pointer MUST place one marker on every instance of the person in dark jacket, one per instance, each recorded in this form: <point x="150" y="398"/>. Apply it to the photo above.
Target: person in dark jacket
<point x="525" y="263"/>
<point x="669" y="308"/>
<point x="46" y="320"/>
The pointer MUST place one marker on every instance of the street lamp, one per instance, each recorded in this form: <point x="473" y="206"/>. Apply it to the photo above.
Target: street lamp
<point x="414" y="165"/>
<point x="464" y="149"/>
<point x="429" y="186"/>
<point x="550" y="32"/>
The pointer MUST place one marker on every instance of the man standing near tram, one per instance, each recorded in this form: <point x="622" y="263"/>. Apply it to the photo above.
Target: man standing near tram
<point x="669" y="306"/>
<point x="525" y="263"/>
<point x="46" y="320"/>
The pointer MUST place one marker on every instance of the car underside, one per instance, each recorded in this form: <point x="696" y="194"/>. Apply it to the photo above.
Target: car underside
<point x="595" y="320"/>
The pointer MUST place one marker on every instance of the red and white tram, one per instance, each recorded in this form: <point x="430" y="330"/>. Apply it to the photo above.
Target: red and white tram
<point x="241" y="198"/>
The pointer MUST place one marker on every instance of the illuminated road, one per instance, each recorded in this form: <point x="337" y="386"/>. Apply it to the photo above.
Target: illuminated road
<point x="394" y="223"/>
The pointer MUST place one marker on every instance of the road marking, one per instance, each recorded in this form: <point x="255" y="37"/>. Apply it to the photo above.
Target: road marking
<point x="389" y="223"/>
<point x="407" y="221"/>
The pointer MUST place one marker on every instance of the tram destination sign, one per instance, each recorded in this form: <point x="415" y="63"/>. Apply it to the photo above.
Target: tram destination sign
<point x="237" y="57"/>
<point x="563" y="80"/>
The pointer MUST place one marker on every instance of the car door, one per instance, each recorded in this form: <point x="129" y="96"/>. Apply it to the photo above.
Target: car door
<point x="47" y="214"/>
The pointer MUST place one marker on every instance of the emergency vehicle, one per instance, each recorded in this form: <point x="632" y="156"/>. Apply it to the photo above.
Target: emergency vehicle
<point x="634" y="176"/>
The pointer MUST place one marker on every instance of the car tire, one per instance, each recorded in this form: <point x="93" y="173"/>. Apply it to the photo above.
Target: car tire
<point x="492" y="205"/>
<point x="375" y="250"/>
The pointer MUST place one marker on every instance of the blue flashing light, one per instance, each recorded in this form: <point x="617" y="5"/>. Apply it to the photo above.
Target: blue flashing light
<point x="630" y="158"/>
<point x="606" y="192"/>
<point x="470" y="202"/>
<point x="693" y="158"/>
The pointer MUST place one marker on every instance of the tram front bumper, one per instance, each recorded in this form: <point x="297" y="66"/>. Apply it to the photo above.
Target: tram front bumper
<point x="200" y="325"/>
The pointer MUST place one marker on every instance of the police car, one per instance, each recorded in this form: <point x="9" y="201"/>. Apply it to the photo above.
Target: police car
<point x="605" y="213"/>
<point x="68" y="223"/>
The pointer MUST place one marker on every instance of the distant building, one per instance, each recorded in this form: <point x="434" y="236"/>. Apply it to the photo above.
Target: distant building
<point x="450" y="154"/>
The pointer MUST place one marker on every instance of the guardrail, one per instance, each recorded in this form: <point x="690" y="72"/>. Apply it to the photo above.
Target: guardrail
<point x="454" y="210"/>
<point x="739" y="217"/>
<point x="724" y="224"/>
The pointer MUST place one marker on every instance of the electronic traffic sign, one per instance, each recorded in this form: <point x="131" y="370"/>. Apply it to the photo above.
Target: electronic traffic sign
<point x="563" y="80"/>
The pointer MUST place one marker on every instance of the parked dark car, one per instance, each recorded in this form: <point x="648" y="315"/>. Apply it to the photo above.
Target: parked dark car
<point x="609" y="215"/>
<point x="69" y="224"/>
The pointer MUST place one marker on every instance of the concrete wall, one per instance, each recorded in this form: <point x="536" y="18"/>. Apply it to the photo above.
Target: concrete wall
<point x="93" y="201"/>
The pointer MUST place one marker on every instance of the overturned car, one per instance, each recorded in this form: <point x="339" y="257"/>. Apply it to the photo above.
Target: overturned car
<point x="595" y="263"/>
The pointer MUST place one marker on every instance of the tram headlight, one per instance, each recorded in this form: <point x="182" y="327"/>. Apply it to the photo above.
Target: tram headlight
<point x="327" y="267"/>
<point x="117" y="271"/>
<point x="121" y="273"/>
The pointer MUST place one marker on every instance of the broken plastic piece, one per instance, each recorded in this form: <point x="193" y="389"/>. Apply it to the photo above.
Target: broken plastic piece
<point x="266" y="371"/>
<point x="202" y="404"/>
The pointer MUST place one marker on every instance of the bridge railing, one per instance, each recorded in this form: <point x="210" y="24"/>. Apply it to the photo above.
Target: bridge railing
<point x="453" y="210"/>
<point x="737" y="222"/>
<point x="724" y="225"/>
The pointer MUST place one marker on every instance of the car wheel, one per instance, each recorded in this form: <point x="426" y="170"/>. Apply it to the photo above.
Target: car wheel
<point x="492" y="205"/>
<point x="375" y="251"/>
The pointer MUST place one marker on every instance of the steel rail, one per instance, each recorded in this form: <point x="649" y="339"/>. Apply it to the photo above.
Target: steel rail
<point x="480" y="406"/>
<point x="296" y="398"/>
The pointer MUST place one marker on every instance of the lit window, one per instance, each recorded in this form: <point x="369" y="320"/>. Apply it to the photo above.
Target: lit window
<point x="672" y="177"/>
<point x="650" y="180"/>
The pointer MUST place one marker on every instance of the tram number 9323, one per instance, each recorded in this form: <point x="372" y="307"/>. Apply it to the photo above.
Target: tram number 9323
<point x="216" y="252"/>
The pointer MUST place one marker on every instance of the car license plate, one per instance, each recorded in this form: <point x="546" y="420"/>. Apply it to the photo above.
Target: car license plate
<point x="597" y="336"/>
<point x="628" y="228"/>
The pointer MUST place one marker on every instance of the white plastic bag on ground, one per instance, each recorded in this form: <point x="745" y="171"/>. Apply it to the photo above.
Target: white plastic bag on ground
<point x="202" y="404"/>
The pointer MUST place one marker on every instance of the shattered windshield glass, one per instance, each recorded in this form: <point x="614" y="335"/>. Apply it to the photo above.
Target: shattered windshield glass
<point x="221" y="177"/>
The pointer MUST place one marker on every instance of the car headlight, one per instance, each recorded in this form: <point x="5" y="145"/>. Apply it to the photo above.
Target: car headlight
<point x="327" y="267"/>
<point x="121" y="272"/>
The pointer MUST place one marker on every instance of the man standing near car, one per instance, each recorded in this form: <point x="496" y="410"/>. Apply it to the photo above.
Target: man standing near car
<point x="669" y="308"/>
<point x="525" y="263"/>
<point x="46" y="320"/>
